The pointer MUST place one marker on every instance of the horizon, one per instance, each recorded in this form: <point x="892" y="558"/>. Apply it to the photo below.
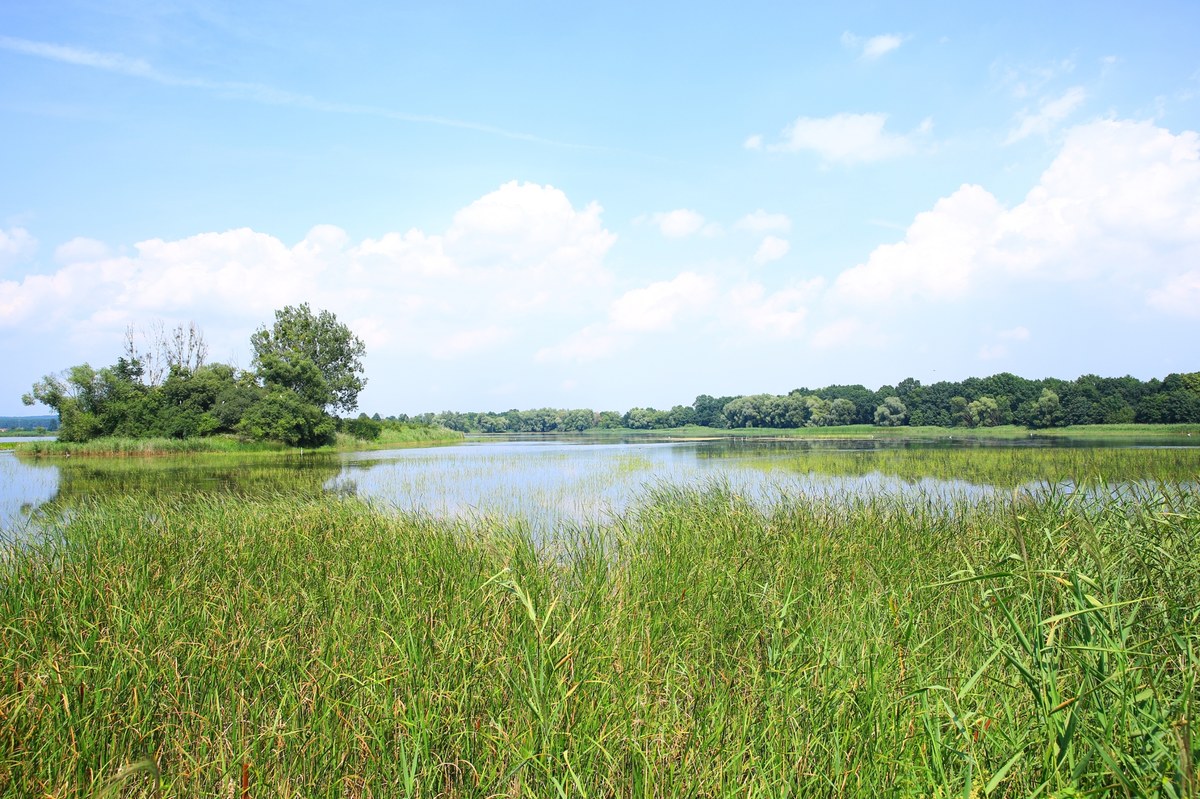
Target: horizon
<point x="609" y="207"/>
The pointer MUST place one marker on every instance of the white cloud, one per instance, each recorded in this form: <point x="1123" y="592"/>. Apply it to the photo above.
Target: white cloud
<point x="749" y="308"/>
<point x="702" y="302"/>
<point x="1023" y="81"/>
<point x="1179" y="296"/>
<point x="679" y="223"/>
<point x="528" y="226"/>
<point x="81" y="249"/>
<point x="1018" y="333"/>
<point x="991" y="352"/>
<point x="655" y="307"/>
<point x="1118" y="209"/>
<point x="848" y="138"/>
<point x="753" y="142"/>
<point x="772" y="249"/>
<point x="837" y="334"/>
<point x="470" y="342"/>
<point x="589" y="344"/>
<point x="762" y="222"/>
<point x="1051" y="112"/>
<point x="252" y="92"/>
<point x="518" y="257"/>
<point x="16" y="245"/>
<point x="937" y="258"/>
<point x="872" y="47"/>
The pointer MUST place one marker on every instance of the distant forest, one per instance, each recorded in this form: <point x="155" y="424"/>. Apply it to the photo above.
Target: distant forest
<point x="47" y="423"/>
<point x="1001" y="399"/>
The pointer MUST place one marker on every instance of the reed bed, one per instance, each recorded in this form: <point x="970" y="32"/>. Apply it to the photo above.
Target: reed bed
<point x="1000" y="466"/>
<point x="700" y="645"/>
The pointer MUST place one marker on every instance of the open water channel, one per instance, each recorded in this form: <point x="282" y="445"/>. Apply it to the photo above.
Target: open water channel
<point x="550" y="482"/>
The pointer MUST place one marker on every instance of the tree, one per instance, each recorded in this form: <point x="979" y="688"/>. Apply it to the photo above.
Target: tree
<point x="891" y="413"/>
<point x="1046" y="411"/>
<point x="283" y="416"/>
<point x="299" y="335"/>
<point x="984" y="412"/>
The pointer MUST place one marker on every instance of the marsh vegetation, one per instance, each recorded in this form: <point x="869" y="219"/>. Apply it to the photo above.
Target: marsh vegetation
<point x="1034" y="632"/>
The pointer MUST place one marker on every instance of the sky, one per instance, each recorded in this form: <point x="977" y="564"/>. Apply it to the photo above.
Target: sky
<point x="606" y="205"/>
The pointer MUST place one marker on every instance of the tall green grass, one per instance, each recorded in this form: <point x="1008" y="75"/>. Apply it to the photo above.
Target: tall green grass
<point x="1180" y="433"/>
<point x="700" y="646"/>
<point x="1002" y="466"/>
<point x="226" y="444"/>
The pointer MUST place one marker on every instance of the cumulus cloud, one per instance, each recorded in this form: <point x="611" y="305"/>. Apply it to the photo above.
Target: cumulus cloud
<point x="772" y="249"/>
<point x="522" y="252"/>
<point x="849" y="138"/>
<point x="750" y="308"/>
<point x="872" y="47"/>
<point x="655" y="307"/>
<point x="762" y="222"/>
<point x="1119" y="206"/>
<point x="16" y="245"/>
<point x="81" y="249"/>
<point x="678" y="224"/>
<point x="1050" y="113"/>
<point x="694" y="302"/>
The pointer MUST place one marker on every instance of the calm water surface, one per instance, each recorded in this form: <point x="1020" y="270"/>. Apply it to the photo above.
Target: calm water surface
<point x="545" y="482"/>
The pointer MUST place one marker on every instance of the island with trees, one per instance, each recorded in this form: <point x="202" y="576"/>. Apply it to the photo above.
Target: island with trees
<point x="307" y="367"/>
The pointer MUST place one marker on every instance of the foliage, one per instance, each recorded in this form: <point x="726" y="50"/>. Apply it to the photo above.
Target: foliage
<point x="301" y="340"/>
<point x="364" y="428"/>
<point x="304" y="364"/>
<point x="284" y="416"/>
<point x="891" y="413"/>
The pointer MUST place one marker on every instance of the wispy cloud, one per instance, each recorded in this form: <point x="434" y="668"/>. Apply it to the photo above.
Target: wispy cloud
<point x="1051" y="111"/>
<point x="849" y="138"/>
<point x="872" y="47"/>
<point x="252" y="92"/>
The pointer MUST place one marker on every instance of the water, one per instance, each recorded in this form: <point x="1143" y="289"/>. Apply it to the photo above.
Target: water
<point x="23" y="488"/>
<point x="548" y="483"/>
<point x="551" y="481"/>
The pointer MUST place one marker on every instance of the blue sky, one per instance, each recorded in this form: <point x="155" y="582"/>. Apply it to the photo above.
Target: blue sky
<point x="607" y="206"/>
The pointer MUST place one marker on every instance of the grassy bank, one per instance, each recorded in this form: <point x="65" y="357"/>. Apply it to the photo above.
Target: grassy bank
<point x="699" y="647"/>
<point x="1181" y="432"/>
<point x="226" y="445"/>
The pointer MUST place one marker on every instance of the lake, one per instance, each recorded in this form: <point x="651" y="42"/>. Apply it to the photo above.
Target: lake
<point x="550" y="481"/>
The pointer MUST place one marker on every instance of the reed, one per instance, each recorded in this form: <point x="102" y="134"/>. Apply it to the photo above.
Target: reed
<point x="699" y="645"/>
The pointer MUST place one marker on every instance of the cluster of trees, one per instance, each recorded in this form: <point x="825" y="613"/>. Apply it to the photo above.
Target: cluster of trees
<point x="46" y="424"/>
<point x="306" y="367"/>
<point x="975" y="402"/>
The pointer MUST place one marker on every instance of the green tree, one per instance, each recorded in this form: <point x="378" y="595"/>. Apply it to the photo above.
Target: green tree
<point x="299" y="335"/>
<point x="364" y="428"/>
<point x="283" y="416"/>
<point x="984" y="412"/>
<point x="892" y="413"/>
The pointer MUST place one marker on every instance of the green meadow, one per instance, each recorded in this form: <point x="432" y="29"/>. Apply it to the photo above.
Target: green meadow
<point x="277" y="640"/>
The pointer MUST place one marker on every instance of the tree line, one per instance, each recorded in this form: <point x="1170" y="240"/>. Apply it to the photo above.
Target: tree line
<point x="1000" y="399"/>
<point x="307" y="366"/>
